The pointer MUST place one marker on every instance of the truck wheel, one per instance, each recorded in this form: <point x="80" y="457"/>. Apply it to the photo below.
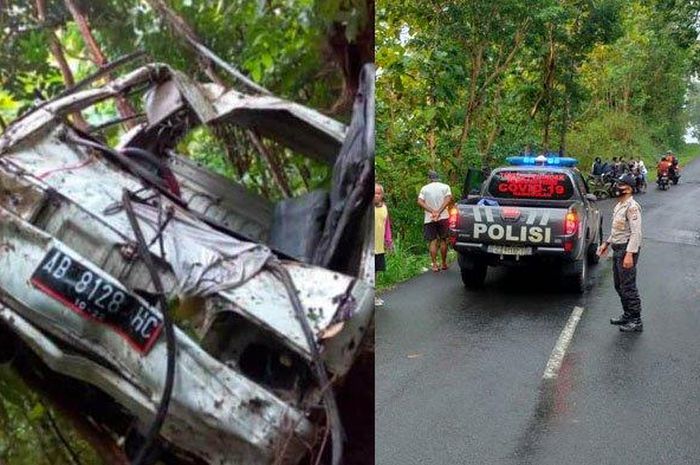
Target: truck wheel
<point x="473" y="278"/>
<point x="575" y="276"/>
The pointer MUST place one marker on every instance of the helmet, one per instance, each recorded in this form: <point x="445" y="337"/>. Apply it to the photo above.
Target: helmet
<point x="626" y="179"/>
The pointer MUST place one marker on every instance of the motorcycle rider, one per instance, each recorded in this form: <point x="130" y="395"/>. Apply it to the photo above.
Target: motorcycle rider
<point x="598" y="166"/>
<point x="663" y="168"/>
<point x="626" y="239"/>
<point x="674" y="169"/>
<point x="643" y="171"/>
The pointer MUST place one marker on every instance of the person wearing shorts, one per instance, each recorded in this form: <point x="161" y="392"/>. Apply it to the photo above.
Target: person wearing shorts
<point x="434" y="198"/>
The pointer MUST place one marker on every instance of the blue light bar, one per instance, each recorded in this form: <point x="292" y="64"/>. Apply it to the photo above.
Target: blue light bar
<point x="548" y="161"/>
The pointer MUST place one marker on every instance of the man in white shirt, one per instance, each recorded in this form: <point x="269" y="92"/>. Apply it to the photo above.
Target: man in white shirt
<point x="434" y="198"/>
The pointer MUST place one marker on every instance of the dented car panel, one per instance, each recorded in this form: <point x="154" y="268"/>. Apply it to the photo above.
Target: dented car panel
<point x="208" y="411"/>
<point x="232" y="314"/>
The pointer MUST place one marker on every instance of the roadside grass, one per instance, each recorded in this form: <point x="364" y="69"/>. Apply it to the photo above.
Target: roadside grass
<point x="688" y="153"/>
<point x="406" y="262"/>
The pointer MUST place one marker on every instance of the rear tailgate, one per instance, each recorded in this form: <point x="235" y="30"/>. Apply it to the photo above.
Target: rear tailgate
<point x="528" y="210"/>
<point x="511" y="226"/>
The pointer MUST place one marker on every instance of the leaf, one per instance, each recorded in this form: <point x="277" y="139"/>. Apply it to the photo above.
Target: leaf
<point x="37" y="412"/>
<point x="267" y="60"/>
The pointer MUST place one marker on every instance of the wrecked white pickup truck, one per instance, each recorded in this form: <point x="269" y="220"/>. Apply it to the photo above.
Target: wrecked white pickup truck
<point x="103" y="248"/>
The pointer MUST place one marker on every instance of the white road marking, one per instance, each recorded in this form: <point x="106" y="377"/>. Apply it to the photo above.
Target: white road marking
<point x="555" y="360"/>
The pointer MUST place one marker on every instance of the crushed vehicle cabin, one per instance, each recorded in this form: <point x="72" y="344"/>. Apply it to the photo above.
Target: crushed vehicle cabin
<point x="103" y="248"/>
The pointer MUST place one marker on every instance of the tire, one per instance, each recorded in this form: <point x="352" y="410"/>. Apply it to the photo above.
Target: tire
<point x="601" y="193"/>
<point x="473" y="272"/>
<point x="576" y="276"/>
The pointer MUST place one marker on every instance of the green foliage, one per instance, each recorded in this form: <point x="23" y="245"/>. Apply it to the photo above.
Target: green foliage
<point x="688" y="152"/>
<point x="612" y="134"/>
<point x="29" y="428"/>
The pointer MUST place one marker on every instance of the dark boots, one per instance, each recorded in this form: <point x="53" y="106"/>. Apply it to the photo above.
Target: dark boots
<point x="633" y="325"/>
<point x="621" y="320"/>
<point x="628" y="323"/>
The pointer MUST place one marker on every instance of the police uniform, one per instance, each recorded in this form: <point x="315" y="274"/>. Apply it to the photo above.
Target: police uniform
<point x="626" y="236"/>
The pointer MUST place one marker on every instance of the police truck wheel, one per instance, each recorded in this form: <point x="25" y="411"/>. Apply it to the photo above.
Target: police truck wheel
<point x="474" y="277"/>
<point x="575" y="276"/>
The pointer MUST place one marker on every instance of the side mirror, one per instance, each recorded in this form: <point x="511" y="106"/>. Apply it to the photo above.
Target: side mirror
<point x="591" y="197"/>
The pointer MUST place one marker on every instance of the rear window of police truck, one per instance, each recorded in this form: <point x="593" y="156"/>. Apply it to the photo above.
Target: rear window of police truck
<point x="534" y="185"/>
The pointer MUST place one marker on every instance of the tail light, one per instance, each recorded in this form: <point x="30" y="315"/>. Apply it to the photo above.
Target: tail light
<point x="571" y="223"/>
<point x="454" y="217"/>
<point x="453" y="222"/>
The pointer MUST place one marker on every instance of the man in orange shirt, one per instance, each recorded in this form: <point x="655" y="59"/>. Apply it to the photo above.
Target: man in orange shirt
<point x="663" y="167"/>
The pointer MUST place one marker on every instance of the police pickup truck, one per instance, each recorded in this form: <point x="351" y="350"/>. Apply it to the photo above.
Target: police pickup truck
<point x="535" y="210"/>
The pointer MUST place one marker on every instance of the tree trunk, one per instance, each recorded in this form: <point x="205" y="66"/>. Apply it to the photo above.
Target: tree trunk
<point x="495" y="129"/>
<point x="564" y="125"/>
<point x="57" y="52"/>
<point x="350" y="56"/>
<point x="126" y="110"/>
<point x="548" y="83"/>
<point x="476" y="92"/>
<point x="273" y="162"/>
<point x="471" y="102"/>
<point x="304" y="174"/>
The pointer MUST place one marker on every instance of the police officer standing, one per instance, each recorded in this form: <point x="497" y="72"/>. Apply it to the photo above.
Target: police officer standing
<point x="625" y="240"/>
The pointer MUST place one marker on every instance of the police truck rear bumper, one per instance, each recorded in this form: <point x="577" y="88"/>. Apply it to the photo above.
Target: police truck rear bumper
<point x="539" y="254"/>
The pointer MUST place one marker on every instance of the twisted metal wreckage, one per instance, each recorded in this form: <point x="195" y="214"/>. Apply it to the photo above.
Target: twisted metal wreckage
<point x="96" y="242"/>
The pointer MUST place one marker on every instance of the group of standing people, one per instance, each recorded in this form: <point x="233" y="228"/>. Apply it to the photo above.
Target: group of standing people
<point x="619" y="166"/>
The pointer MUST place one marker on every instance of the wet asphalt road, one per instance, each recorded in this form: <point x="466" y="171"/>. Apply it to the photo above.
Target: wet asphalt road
<point x="459" y="373"/>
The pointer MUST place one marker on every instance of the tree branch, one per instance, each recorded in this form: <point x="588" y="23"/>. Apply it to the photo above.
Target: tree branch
<point x="182" y="29"/>
<point x="517" y="42"/>
<point x="123" y="106"/>
<point x="275" y="168"/>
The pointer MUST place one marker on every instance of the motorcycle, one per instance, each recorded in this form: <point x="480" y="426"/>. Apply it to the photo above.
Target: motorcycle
<point x="675" y="177"/>
<point x="601" y="185"/>
<point x="641" y="184"/>
<point x="663" y="181"/>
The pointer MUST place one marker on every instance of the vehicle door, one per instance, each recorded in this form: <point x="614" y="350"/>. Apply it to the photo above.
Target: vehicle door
<point x="592" y="212"/>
